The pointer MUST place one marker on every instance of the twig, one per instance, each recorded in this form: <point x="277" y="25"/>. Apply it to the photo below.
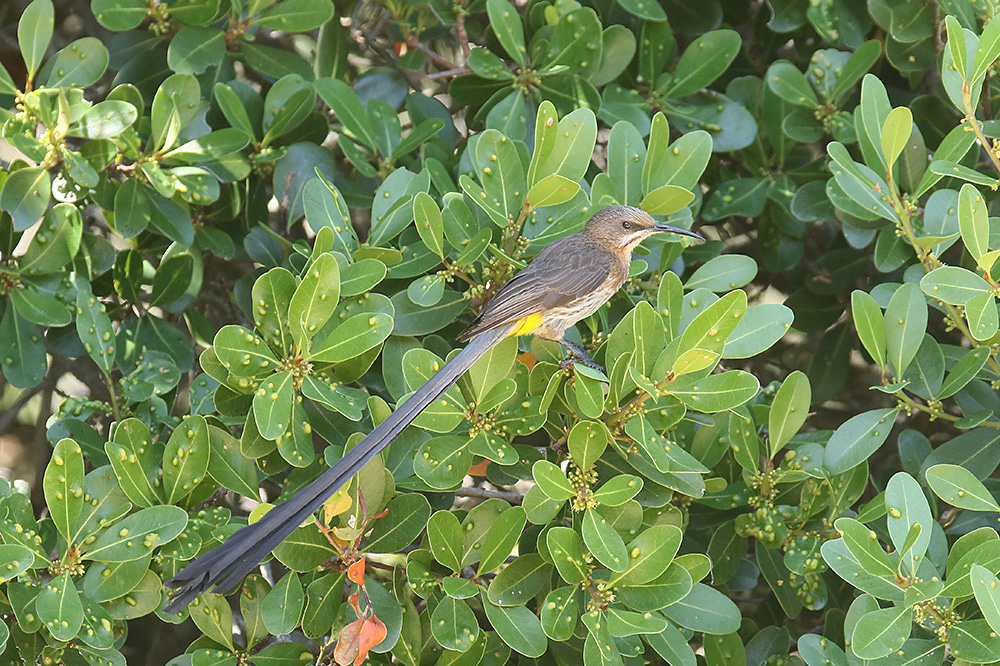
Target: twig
<point x="482" y="493"/>
<point x="449" y="72"/>
<point x="413" y="42"/>
<point x="463" y="36"/>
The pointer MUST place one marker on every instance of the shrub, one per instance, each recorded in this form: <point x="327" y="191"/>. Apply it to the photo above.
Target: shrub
<point x="745" y="484"/>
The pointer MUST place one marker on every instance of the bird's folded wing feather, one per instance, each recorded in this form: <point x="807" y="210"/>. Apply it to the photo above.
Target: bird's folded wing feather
<point x="544" y="285"/>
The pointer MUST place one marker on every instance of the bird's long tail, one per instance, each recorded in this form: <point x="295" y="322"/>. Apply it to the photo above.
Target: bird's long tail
<point x="227" y="564"/>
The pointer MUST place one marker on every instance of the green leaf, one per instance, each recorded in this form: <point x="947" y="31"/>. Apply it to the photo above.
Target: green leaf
<point x="788" y="83"/>
<point x="618" y="490"/>
<point x="25" y="193"/>
<point x="185" y="458"/>
<point x="552" y="481"/>
<point x="80" y="65"/>
<point x="964" y="371"/>
<point x="295" y="16"/>
<point x="881" y="632"/>
<point x="681" y="163"/>
<point x="271" y="295"/>
<point x="59" y="607"/>
<point x="857" y="438"/>
<point x="716" y="393"/>
<point x="572" y="147"/>
<point x="960" y="488"/>
<point x="506" y="24"/>
<point x="703" y="61"/>
<point x="22" y="351"/>
<point x="211" y="146"/>
<point x="895" y="133"/>
<point x="406" y="519"/>
<point x="444" y="536"/>
<point x="649" y="555"/>
<point x="985" y="588"/>
<point x="560" y="613"/>
<point x="242" y="353"/>
<point x="519" y="582"/>
<point x="758" y="330"/>
<point x="34" y="31"/>
<point x="907" y="507"/>
<point x="214" y="617"/>
<point x="339" y="97"/>
<point x="137" y="535"/>
<point x="973" y="221"/>
<point x="281" y="609"/>
<point x="705" y="609"/>
<point x="272" y="404"/>
<point x="953" y="284"/>
<point x="518" y="627"/>
<point x="956" y="46"/>
<point x="132" y="457"/>
<point x="429" y="223"/>
<point x="587" y="441"/>
<point x="454" y="625"/>
<point x="666" y="199"/>
<point x="870" y="323"/>
<point x="361" y="276"/>
<point x="987" y="51"/>
<point x="501" y="538"/>
<point x="352" y="338"/>
<point x="227" y="466"/>
<point x="315" y="299"/>
<point x="566" y="549"/>
<point x="56" y="242"/>
<point x="119" y="15"/>
<point x="981" y="311"/>
<point x="93" y="325"/>
<point x="552" y="190"/>
<point x="788" y="410"/>
<point x="194" y="49"/>
<point x="62" y="485"/>
<point x="603" y="541"/>
<point x="723" y="273"/>
<point x="905" y="324"/>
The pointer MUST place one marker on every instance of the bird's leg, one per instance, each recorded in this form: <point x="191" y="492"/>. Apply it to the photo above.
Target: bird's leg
<point x="577" y="354"/>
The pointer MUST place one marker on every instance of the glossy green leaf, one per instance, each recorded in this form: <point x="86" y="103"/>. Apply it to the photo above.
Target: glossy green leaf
<point x="519" y="582"/>
<point x="959" y="487"/>
<point x="518" y="627"/>
<point x="25" y="193"/>
<point x="62" y="484"/>
<point x="185" y="458"/>
<point x="281" y="609"/>
<point x="501" y="538"/>
<point x="603" y="542"/>
<point x="552" y="480"/>
<point x="857" y="439"/>
<point x="34" y="31"/>
<point x="295" y="16"/>
<point x="272" y="404"/>
<point x="705" y="609"/>
<point x="895" y="133"/>
<point x="907" y="506"/>
<point x="444" y="535"/>
<point x="506" y="24"/>
<point x="138" y="534"/>
<point x="788" y="83"/>
<point x="716" y="393"/>
<point x="788" y="410"/>
<point x="314" y="300"/>
<point x="352" y="338"/>
<point x="905" y="323"/>
<point x="881" y="632"/>
<point x="454" y="625"/>
<point x="703" y="61"/>
<point x="59" y="607"/>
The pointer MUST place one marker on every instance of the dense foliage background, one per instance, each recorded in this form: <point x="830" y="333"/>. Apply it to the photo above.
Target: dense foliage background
<point x="234" y="233"/>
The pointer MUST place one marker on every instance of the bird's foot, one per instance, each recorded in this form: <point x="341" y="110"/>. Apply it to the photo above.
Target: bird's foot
<point x="577" y="354"/>
<point x="568" y="363"/>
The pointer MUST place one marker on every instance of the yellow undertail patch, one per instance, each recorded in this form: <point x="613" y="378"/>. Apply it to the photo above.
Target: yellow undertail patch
<point x="527" y="325"/>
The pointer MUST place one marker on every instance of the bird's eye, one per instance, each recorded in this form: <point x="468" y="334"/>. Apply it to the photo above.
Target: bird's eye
<point x="626" y="225"/>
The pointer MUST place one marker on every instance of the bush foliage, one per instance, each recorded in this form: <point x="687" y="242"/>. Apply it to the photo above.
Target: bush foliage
<point x="248" y="228"/>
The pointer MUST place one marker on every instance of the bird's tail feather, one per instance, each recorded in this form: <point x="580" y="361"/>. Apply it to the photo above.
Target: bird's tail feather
<point x="225" y="565"/>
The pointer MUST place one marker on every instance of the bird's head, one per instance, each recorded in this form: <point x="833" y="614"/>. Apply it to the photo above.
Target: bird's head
<point x="624" y="227"/>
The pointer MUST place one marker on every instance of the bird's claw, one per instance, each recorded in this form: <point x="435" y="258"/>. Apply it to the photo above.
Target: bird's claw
<point x="568" y="363"/>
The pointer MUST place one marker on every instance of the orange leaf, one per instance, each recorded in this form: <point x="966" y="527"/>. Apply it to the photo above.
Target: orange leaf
<point x="479" y="469"/>
<point x="372" y="634"/>
<point x="353" y="600"/>
<point x="528" y="359"/>
<point x="356" y="572"/>
<point x="349" y="643"/>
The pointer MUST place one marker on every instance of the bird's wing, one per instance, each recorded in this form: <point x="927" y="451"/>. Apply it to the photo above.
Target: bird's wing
<point x="554" y="279"/>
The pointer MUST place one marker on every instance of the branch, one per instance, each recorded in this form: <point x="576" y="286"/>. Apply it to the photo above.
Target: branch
<point x="482" y="493"/>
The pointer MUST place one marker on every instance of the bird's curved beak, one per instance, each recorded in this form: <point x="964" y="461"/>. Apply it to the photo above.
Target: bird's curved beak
<point x="660" y="226"/>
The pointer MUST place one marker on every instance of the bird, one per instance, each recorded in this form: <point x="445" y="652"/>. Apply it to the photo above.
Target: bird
<point x="569" y="280"/>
